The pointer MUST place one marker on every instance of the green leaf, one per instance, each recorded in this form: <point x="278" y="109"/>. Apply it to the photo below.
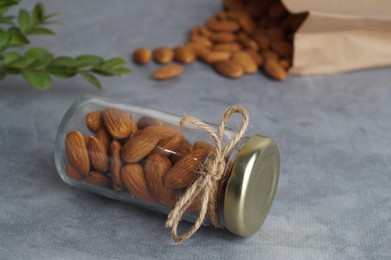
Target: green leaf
<point x="39" y="79"/>
<point x="122" y="71"/>
<point x="38" y="57"/>
<point x="19" y="64"/>
<point x="114" y="63"/>
<point x="103" y="72"/>
<point x="38" y="12"/>
<point x="17" y="38"/>
<point x="5" y="38"/>
<point x="11" y="57"/>
<point x="88" y="60"/>
<point x="62" y="72"/>
<point x="41" y="31"/>
<point x="64" y="61"/>
<point x="49" y="16"/>
<point x="24" y="20"/>
<point x="6" y="20"/>
<point x="91" y="79"/>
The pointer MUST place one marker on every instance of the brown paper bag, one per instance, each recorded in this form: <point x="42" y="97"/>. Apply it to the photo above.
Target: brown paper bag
<point x="341" y="35"/>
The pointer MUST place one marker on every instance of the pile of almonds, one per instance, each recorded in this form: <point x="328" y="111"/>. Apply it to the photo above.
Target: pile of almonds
<point x="149" y="158"/>
<point x="247" y="36"/>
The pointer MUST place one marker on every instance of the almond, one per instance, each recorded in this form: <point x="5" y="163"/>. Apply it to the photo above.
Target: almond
<point x="184" y="54"/>
<point x="283" y="48"/>
<point x="86" y="138"/>
<point x="139" y="147"/>
<point x="269" y="55"/>
<point x="256" y="56"/>
<point x="117" y="122"/>
<point x="228" y="46"/>
<point x="215" y="56"/>
<point x="203" y="145"/>
<point x="229" y="68"/>
<point x="98" y="179"/>
<point x="133" y="178"/>
<point x="163" y="131"/>
<point x="116" y="165"/>
<point x="184" y="172"/>
<point x="226" y="26"/>
<point x="222" y="37"/>
<point x="94" y="121"/>
<point x="247" y="23"/>
<point x="168" y="72"/>
<point x="98" y="155"/>
<point x="103" y="136"/>
<point x="73" y="173"/>
<point x="204" y="31"/>
<point x="77" y="153"/>
<point x="156" y="166"/>
<point x="142" y="56"/>
<point x="274" y="70"/>
<point x="201" y="40"/>
<point x="250" y="44"/>
<point x="169" y="145"/>
<point x="222" y="16"/>
<point x="285" y="63"/>
<point x="163" y="55"/>
<point x="262" y="41"/>
<point x="246" y="61"/>
<point x="184" y="148"/>
<point x="198" y="49"/>
<point x="146" y="121"/>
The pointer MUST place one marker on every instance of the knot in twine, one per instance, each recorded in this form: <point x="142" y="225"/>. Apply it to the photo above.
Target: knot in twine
<point x="210" y="174"/>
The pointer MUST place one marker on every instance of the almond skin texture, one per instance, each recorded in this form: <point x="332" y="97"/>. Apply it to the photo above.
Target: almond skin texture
<point x="184" y="148"/>
<point x="146" y="121"/>
<point x="184" y="172"/>
<point x="116" y="165"/>
<point x="142" y="56"/>
<point x="184" y="54"/>
<point x="163" y="131"/>
<point x="246" y="61"/>
<point x="73" y="174"/>
<point x="77" y="153"/>
<point x="203" y="145"/>
<point x="94" y="121"/>
<point x="229" y="69"/>
<point x="163" y="55"/>
<point x="169" y="145"/>
<point x="201" y="40"/>
<point x="117" y="122"/>
<point x="98" y="179"/>
<point x="168" y="72"/>
<point x="133" y="178"/>
<point x="98" y="155"/>
<point x="269" y="55"/>
<point x="246" y="23"/>
<point x="275" y="70"/>
<point x="139" y="147"/>
<point x="229" y="46"/>
<point x="256" y="56"/>
<point x="103" y="136"/>
<point x="156" y="166"/>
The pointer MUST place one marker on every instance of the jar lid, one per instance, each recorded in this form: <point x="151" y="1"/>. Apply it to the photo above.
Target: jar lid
<point x="251" y="186"/>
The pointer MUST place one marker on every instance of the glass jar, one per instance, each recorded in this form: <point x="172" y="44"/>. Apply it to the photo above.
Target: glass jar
<point x="143" y="157"/>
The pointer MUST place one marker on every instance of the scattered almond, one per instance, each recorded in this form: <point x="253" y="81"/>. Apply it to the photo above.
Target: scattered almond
<point x="163" y="55"/>
<point x="274" y="70"/>
<point x="283" y="48"/>
<point x="229" y="68"/>
<point x="142" y="56"/>
<point x="184" y="54"/>
<point x="168" y="72"/>
<point x="225" y="26"/>
<point x="215" y="56"/>
<point x="222" y="37"/>
<point x="245" y="60"/>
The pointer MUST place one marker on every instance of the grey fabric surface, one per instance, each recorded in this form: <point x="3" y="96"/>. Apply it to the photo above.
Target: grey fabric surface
<point x="334" y="131"/>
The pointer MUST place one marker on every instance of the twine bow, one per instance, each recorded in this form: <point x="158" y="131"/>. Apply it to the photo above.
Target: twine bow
<point x="212" y="171"/>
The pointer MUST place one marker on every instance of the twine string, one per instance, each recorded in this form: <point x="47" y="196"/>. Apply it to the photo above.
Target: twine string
<point x="206" y="185"/>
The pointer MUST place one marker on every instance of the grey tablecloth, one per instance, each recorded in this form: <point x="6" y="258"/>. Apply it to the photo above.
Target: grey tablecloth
<point x="334" y="132"/>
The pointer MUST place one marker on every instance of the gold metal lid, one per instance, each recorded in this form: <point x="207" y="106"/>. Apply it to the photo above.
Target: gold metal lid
<point x="251" y="186"/>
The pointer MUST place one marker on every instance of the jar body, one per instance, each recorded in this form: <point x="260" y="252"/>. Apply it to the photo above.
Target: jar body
<point x="134" y="154"/>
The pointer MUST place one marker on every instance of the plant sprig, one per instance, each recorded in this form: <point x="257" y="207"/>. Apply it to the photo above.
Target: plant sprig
<point x="38" y="65"/>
